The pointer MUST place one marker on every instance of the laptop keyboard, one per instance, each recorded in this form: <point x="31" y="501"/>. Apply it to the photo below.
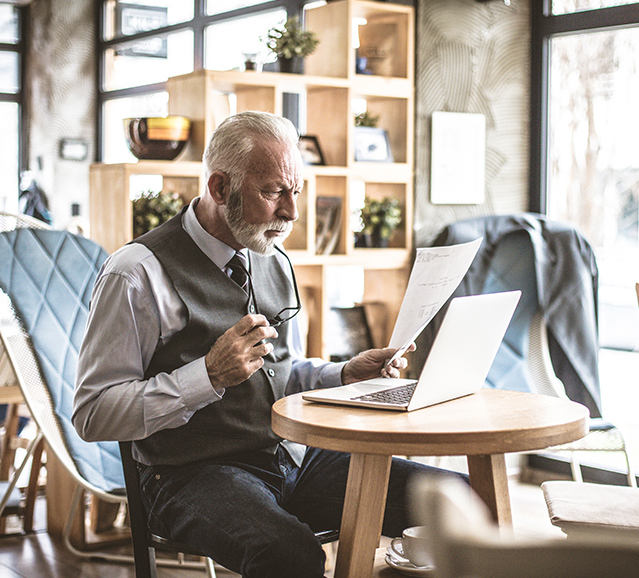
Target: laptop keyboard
<point x="399" y="395"/>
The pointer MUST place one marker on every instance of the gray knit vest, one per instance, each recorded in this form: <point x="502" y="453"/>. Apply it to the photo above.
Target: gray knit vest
<point x="241" y="420"/>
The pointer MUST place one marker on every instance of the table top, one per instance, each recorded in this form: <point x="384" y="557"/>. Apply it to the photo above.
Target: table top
<point x="488" y="422"/>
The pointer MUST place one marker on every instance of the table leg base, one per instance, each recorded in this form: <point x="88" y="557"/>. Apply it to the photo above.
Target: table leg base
<point x="363" y="515"/>
<point x="489" y="479"/>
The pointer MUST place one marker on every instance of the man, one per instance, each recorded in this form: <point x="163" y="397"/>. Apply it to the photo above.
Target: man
<point x="181" y="355"/>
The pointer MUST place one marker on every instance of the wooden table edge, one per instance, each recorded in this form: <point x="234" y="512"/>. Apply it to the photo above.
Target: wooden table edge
<point x="339" y="438"/>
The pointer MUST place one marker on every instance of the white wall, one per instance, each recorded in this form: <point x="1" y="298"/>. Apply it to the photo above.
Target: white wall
<point x="474" y="57"/>
<point x="61" y="99"/>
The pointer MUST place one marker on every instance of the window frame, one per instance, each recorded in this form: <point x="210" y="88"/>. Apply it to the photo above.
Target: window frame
<point x="544" y="26"/>
<point x="197" y="25"/>
<point x="18" y="97"/>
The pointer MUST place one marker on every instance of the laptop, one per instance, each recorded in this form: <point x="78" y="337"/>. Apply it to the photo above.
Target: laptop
<point x="457" y="365"/>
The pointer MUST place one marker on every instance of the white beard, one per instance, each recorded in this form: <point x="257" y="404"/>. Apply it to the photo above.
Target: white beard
<point x="253" y="236"/>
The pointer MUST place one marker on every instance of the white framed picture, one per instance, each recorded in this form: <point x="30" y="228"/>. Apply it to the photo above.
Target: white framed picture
<point x="458" y="159"/>
<point x="372" y="145"/>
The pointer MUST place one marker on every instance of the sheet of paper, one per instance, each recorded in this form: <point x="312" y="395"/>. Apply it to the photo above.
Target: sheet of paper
<point x="436" y="273"/>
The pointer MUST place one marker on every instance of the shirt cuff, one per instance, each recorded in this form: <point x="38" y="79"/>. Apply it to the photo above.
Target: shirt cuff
<point x="195" y="387"/>
<point x="334" y="374"/>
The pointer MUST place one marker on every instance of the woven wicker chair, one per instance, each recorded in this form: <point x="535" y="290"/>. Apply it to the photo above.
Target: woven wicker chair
<point x="12" y="501"/>
<point x="46" y="278"/>
<point x="594" y="509"/>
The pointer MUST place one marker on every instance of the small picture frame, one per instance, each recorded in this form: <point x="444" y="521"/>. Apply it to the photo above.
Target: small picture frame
<point x="311" y="151"/>
<point x="74" y="149"/>
<point x="372" y="145"/>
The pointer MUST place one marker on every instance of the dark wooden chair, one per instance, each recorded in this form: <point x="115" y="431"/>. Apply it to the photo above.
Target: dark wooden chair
<point x="145" y="543"/>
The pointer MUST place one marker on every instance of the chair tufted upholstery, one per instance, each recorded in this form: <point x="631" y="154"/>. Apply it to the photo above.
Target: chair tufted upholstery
<point x="49" y="275"/>
<point x="512" y="267"/>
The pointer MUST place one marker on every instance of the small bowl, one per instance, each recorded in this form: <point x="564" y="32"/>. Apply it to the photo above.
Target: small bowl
<point x="157" y="138"/>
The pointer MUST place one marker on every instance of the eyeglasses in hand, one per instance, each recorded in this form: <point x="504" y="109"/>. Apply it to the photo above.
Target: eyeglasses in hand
<point x="287" y="313"/>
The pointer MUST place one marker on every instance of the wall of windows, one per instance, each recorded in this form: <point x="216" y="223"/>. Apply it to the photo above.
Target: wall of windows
<point x="10" y="105"/>
<point x="144" y="42"/>
<point x="588" y="168"/>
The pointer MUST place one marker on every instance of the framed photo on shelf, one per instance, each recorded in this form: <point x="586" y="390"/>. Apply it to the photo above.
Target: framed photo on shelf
<point x="311" y="151"/>
<point x="372" y="145"/>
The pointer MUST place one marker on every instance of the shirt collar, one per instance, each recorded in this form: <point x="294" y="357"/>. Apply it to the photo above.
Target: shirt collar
<point x="217" y="251"/>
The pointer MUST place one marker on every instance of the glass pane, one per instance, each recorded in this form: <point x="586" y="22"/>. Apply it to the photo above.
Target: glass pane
<point x="220" y="6"/>
<point x="115" y="111"/>
<point x="594" y="165"/>
<point x="9" y="72"/>
<point x="9" y="128"/>
<point x="148" y="61"/>
<point x="126" y="18"/>
<point x="226" y="42"/>
<point x="568" y="6"/>
<point x="8" y="24"/>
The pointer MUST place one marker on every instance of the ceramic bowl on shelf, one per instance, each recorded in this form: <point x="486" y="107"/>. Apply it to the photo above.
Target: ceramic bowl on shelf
<point x="157" y="138"/>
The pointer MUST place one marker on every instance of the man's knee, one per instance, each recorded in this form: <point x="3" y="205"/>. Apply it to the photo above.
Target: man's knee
<point x="293" y="554"/>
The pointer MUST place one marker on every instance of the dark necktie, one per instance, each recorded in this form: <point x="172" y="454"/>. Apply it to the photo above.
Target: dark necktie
<point x="239" y="274"/>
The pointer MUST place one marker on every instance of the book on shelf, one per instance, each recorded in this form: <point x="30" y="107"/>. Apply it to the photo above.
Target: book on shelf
<point x="329" y="219"/>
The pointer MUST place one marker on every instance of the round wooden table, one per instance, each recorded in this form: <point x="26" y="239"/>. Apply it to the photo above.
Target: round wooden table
<point x="484" y="427"/>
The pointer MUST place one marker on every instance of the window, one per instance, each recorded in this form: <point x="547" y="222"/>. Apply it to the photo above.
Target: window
<point x="569" y="6"/>
<point x="144" y="42"/>
<point x="589" y="161"/>
<point x="148" y="61"/>
<point x="10" y="106"/>
<point x="227" y="40"/>
<point x="128" y="17"/>
<point x="217" y="7"/>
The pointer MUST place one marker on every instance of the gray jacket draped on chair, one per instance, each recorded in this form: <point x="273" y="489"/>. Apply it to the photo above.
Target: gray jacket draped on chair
<point x="567" y="287"/>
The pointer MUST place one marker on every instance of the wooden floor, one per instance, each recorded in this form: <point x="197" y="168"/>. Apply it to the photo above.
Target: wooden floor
<point x="37" y="555"/>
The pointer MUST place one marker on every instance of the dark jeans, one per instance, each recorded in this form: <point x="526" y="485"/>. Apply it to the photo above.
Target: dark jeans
<point x="256" y="514"/>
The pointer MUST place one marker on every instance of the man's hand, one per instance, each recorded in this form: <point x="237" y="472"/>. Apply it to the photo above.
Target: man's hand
<point x="238" y="353"/>
<point x="370" y="364"/>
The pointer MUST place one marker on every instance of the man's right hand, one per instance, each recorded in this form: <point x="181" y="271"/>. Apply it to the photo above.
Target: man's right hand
<point x="238" y="353"/>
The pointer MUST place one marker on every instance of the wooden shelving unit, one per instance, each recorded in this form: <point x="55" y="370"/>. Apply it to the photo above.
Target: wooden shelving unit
<point x="110" y="188"/>
<point x="327" y="90"/>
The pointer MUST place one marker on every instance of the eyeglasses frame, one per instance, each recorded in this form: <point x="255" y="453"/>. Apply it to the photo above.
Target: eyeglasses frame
<point x="277" y="320"/>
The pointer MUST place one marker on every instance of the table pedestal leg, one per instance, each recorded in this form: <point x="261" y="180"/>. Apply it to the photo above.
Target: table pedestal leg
<point x="363" y="515"/>
<point x="489" y="479"/>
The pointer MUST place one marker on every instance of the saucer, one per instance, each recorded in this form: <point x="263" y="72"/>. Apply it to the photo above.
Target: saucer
<point x="405" y="567"/>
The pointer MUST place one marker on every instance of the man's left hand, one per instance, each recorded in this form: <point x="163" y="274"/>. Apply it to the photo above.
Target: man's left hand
<point x="372" y="363"/>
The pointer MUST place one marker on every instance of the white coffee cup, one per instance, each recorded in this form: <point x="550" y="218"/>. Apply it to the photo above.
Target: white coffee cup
<point x="413" y="546"/>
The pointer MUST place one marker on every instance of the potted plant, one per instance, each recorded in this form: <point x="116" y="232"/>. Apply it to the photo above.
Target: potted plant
<point x="291" y="43"/>
<point x="151" y="209"/>
<point x="366" y="119"/>
<point x="379" y="221"/>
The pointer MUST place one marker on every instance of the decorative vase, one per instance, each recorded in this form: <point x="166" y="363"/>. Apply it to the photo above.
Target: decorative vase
<point x="378" y="241"/>
<point x="371" y="240"/>
<point x="157" y="138"/>
<point x="293" y="65"/>
<point x="363" y="241"/>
